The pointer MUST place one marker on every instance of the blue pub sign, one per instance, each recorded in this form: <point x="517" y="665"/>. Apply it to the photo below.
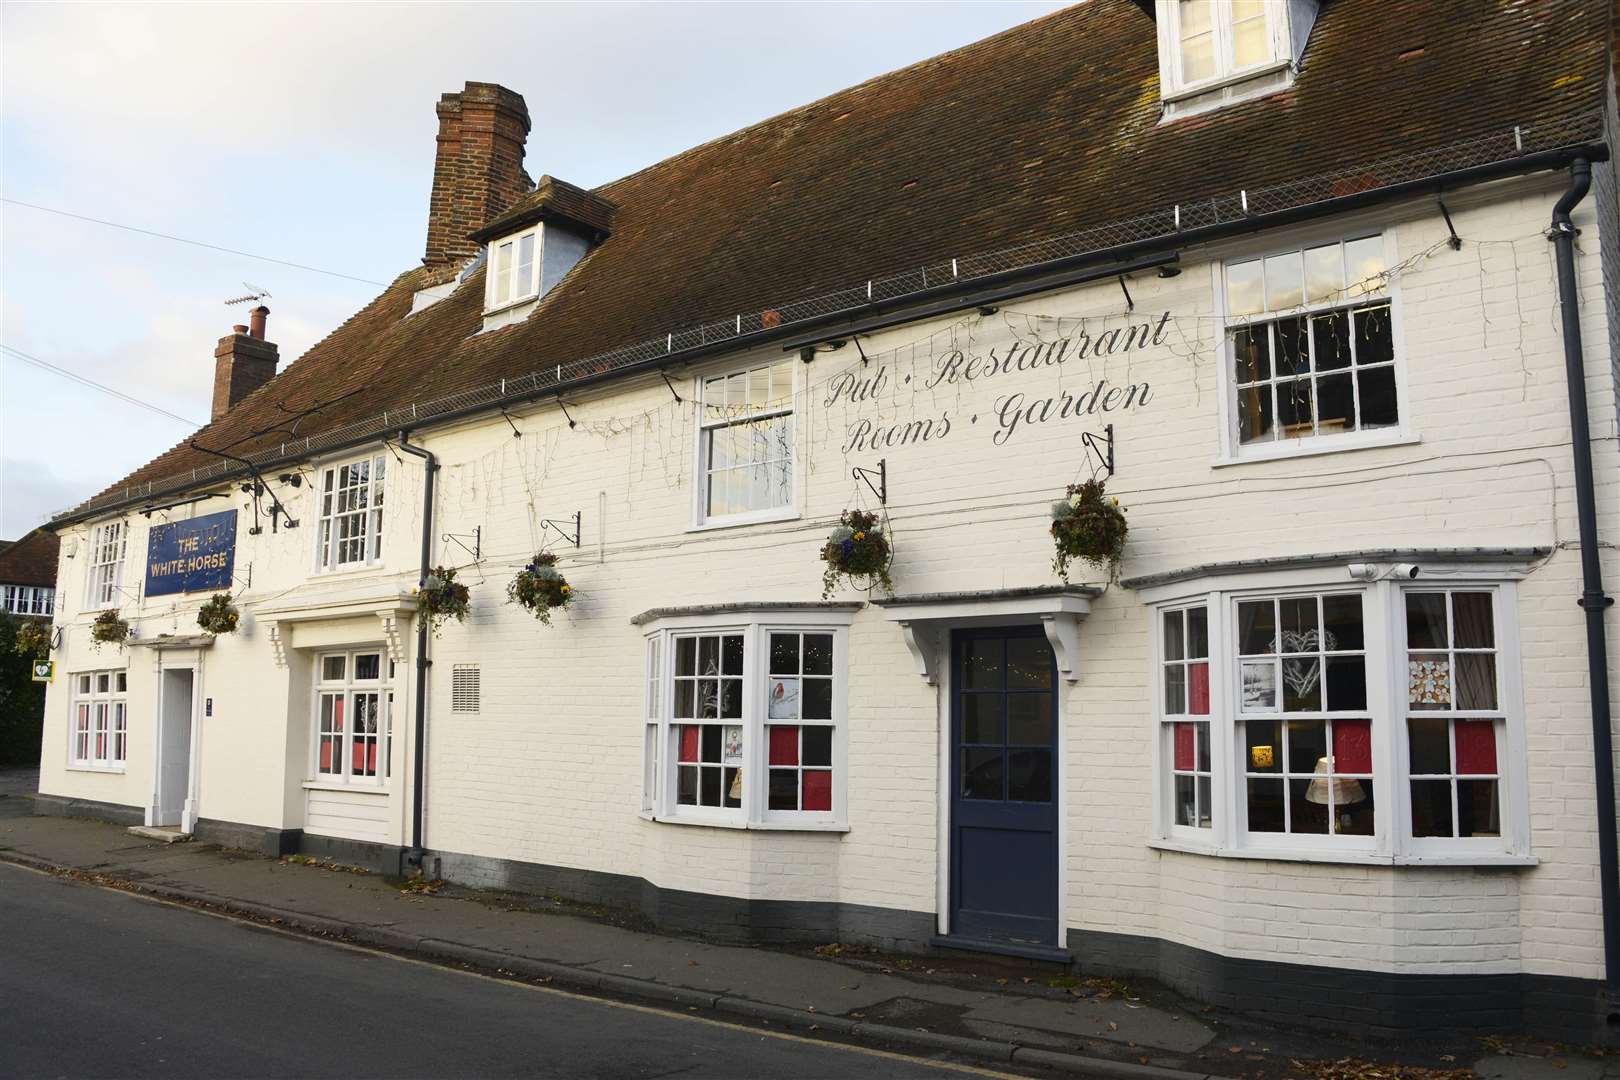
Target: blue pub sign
<point x="189" y="556"/>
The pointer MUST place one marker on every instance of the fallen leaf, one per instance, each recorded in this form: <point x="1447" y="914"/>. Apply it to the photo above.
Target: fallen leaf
<point x="1112" y="1026"/>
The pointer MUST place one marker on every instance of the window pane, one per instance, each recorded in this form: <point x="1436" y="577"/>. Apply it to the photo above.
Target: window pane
<point x="1244" y="295"/>
<point x="1029" y="775"/>
<point x="1302" y="684"/>
<point x="1307" y="745"/>
<point x="1175" y="689"/>
<point x="1292" y="339"/>
<point x="1352" y="746"/>
<point x="1364" y="263"/>
<point x="1428" y="679"/>
<point x="1197" y="16"/>
<point x="712" y="739"/>
<point x="1308" y="806"/>
<point x="784" y="789"/>
<point x="1257" y="627"/>
<point x="817" y="699"/>
<point x="1471" y="616"/>
<point x="783" y="699"/>
<point x="1431" y="808"/>
<point x="1425" y="620"/>
<point x="1266" y="805"/>
<point x="733" y="788"/>
<point x="523" y="276"/>
<point x="367" y="666"/>
<point x="1299" y="624"/>
<point x="686" y="785"/>
<point x="1259" y="686"/>
<point x="1254" y="414"/>
<point x="817" y="790"/>
<point x="1251" y="353"/>
<point x="685" y="699"/>
<point x="1324" y="273"/>
<point x="1198" y="688"/>
<point x="1029" y="663"/>
<point x="731" y="654"/>
<point x="1346" y="683"/>
<point x="784" y="654"/>
<point x="1175" y="646"/>
<point x="981" y="774"/>
<point x="1335" y="405"/>
<point x="709" y="787"/>
<point x="818" y="745"/>
<point x="1478" y="812"/>
<point x="1330" y="340"/>
<point x="1029" y="719"/>
<point x="1197" y="633"/>
<point x="818" y="654"/>
<point x="1285" y="281"/>
<point x="981" y="718"/>
<point x="1294" y="409"/>
<point x="1476" y="680"/>
<point x="1341" y="622"/>
<point x="1197" y="58"/>
<point x="1476" y="747"/>
<point x="1353" y="807"/>
<point x="1250" y="43"/>
<point x="1375" y="343"/>
<point x="686" y="656"/>
<point x="1429" y="745"/>
<point x="983" y="668"/>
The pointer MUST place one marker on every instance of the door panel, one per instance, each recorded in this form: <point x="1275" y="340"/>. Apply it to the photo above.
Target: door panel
<point x="1004" y="857"/>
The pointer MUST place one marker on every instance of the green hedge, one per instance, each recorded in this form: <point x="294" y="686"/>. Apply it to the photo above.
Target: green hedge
<point x="22" y="700"/>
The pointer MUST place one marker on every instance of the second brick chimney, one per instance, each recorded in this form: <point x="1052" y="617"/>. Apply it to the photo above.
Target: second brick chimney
<point x="243" y="362"/>
<point x="478" y="169"/>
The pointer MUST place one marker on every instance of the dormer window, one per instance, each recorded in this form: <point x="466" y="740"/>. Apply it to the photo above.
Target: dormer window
<point x="514" y="270"/>
<point x="1216" y="52"/>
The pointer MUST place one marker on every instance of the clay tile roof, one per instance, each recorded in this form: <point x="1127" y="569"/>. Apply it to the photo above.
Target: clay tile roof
<point x="553" y="198"/>
<point x="1048" y="129"/>
<point x="30" y="560"/>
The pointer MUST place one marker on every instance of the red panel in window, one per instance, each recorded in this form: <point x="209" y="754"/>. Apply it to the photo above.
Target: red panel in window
<point x="817" y="791"/>
<point x="1186" y="746"/>
<point x="785" y="745"/>
<point x="689" y="742"/>
<point x="1476" y="747"/>
<point x="371" y="760"/>
<point x="1352" y="746"/>
<point x="326" y="754"/>
<point x="337" y="713"/>
<point x="1198" y="689"/>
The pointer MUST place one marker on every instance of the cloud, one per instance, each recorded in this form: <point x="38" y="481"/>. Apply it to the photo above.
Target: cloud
<point x="33" y="492"/>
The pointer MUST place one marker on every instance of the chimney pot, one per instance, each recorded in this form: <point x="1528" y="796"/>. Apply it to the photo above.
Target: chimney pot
<point x="256" y="319"/>
<point x="239" y="329"/>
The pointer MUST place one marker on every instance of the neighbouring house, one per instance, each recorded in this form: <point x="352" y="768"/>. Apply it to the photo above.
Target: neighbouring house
<point x="28" y="574"/>
<point x="1324" y="294"/>
<point x="27" y="591"/>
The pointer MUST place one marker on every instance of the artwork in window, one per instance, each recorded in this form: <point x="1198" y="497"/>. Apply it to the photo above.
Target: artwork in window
<point x="1259" y="686"/>
<point x="1428" y="681"/>
<point x="782" y="699"/>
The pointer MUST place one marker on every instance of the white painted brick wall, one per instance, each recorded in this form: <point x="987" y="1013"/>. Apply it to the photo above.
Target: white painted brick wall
<point x="549" y="771"/>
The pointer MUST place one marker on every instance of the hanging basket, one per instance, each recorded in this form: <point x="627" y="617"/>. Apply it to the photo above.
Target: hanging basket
<point x="442" y="597"/>
<point x="219" y="615"/>
<point x="110" y="628"/>
<point x="540" y="588"/>
<point x="33" y="639"/>
<point x="1088" y="526"/>
<point x="857" y="552"/>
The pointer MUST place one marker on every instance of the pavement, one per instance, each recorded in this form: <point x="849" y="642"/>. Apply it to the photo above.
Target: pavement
<point x="1002" y="1014"/>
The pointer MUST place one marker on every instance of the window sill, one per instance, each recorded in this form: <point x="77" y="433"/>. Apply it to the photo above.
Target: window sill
<point x="1221" y="82"/>
<point x="114" y="770"/>
<point x="510" y="304"/>
<point x="762" y="517"/>
<point x="377" y="568"/>
<point x="363" y="789"/>
<point x="1287" y="450"/>
<point x="1345" y="858"/>
<point x="752" y="826"/>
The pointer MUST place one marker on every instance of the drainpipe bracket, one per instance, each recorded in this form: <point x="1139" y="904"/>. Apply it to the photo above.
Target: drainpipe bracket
<point x="1595" y="601"/>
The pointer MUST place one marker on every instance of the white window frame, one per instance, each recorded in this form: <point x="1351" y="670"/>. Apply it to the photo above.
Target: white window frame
<point x="348" y="688"/>
<point x="531" y="288"/>
<point x="30" y="600"/>
<point x="1232" y="449"/>
<point x="702" y="392"/>
<point x="104" y="574"/>
<point x="326" y="559"/>
<point x="98" y="708"/>
<point x="1167" y="720"/>
<point x="1384" y="624"/>
<point x="1175" y="86"/>
<point x="660" y="751"/>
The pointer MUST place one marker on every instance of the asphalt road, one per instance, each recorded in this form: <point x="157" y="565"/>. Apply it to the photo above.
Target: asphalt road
<point x="99" y="983"/>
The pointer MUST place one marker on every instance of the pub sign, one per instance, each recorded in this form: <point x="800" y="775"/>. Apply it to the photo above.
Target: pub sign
<point x="190" y="556"/>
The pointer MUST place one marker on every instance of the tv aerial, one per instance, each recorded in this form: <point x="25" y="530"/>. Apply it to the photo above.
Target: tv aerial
<point x="256" y="293"/>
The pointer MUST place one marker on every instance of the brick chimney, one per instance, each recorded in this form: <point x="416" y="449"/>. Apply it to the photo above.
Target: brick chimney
<point x="478" y="169"/>
<point x="243" y="362"/>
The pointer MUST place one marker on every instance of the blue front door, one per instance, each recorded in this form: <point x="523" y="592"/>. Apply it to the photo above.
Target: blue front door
<point x="1004" y="853"/>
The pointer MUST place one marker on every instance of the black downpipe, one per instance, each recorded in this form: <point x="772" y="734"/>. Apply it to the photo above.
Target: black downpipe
<point x="413" y="857"/>
<point x="1593" y="601"/>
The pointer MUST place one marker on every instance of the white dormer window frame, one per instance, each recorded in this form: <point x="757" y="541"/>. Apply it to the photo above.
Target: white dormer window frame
<point x="513" y="276"/>
<point x="1197" y="55"/>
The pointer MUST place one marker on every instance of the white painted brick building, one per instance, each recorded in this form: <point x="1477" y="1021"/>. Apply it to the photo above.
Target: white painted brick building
<point x="1324" y="749"/>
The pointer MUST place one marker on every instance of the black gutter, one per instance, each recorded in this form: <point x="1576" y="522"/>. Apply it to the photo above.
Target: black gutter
<point x="966" y="293"/>
<point x="1593" y="600"/>
<point x="413" y="857"/>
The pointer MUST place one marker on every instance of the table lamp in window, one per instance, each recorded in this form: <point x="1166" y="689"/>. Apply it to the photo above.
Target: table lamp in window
<point x="1345" y="792"/>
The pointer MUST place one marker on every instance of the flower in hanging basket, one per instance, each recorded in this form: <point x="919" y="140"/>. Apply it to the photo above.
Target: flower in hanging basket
<point x="540" y="587"/>
<point x="110" y="628"/>
<point x="33" y="639"/>
<point x="442" y="597"/>
<point x="859" y="551"/>
<point x="218" y="615"/>
<point x="1088" y="525"/>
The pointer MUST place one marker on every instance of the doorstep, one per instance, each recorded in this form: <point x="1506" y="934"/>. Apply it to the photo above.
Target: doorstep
<point x="168" y="834"/>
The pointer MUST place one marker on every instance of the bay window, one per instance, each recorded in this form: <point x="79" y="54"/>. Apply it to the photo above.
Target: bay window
<point x="351" y="507"/>
<point x="353" y="722"/>
<point x="745" y="723"/>
<point x="745" y="443"/>
<point x="100" y="733"/>
<point x="1374" y="722"/>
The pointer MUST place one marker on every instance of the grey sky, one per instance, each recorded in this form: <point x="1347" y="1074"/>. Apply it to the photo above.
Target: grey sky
<point x="305" y="132"/>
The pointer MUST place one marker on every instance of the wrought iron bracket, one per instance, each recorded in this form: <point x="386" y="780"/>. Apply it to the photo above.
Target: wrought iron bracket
<point x="1455" y="241"/>
<point x="572" y="538"/>
<point x="460" y="540"/>
<point x="1101" y="445"/>
<point x="662" y="374"/>
<point x="881" y="488"/>
<point x="1130" y="305"/>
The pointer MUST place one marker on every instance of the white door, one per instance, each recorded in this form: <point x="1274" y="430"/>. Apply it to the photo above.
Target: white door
<point x="174" y="746"/>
